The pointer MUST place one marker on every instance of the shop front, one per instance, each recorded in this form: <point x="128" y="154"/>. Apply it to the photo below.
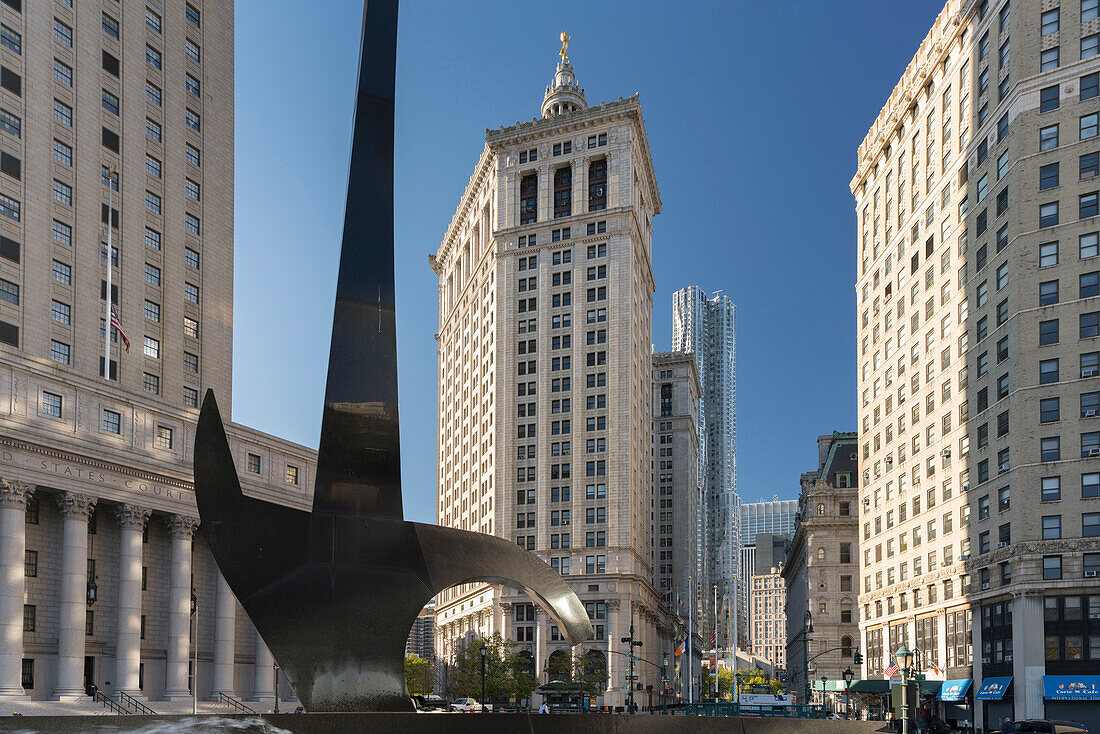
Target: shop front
<point x="957" y="712"/>
<point x="995" y="696"/>
<point x="1073" y="698"/>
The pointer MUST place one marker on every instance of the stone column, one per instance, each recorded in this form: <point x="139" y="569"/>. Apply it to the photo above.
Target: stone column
<point x="225" y="619"/>
<point x="580" y="186"/>
<point x="181" y="528"/>
<point x="612" y="632"/>
<point x="14" y="497"/>
<point x="1028" y="655"/>
<point x="546" y="194"/>
<point x="541" y="619"/>
<point x="75" y="509"/>
<point x="263" y="682"/>
<point x="976" y="646"/>
<point x="131" y="520"/>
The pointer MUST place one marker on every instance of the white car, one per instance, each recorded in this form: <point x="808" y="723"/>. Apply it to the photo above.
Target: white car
<point x="467" y="705"/>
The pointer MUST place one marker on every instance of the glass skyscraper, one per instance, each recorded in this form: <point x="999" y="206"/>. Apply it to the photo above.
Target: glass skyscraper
<point x="707" y="327"/>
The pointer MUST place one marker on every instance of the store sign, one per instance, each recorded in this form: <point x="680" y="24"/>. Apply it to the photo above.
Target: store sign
<point x="1071" y="687"/>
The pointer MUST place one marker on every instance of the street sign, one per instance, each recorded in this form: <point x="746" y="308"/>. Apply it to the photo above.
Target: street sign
<point x="631" y="677"/>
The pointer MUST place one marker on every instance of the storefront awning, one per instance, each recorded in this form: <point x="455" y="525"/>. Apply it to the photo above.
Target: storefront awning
<point x="954" y="690"/>
<point x="994" y="689"/>
<point x="870" y="686"/>
<point x="929" y="687"/>
<point x="1071" y="687"/>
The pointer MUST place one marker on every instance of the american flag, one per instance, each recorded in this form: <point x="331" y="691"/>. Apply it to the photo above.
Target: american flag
<point x="890" y="670"/>
<point x="117" y="326"/>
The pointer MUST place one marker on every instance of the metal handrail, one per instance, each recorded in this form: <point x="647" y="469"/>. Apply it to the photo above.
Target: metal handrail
<point x="130" y="702"/>
<point x="109" y="703"/>
<point x="239" y="705"/>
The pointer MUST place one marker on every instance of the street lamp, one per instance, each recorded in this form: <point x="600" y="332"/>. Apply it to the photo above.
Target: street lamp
<point x="483" y="677"/>
<point x="807" y="630"/>
<point x="195" y="656"/>
<point x="93" y="592"/>
<point x="824" y="679"/>
<point x="848" y="675"/>
<point x="904" y="658"/>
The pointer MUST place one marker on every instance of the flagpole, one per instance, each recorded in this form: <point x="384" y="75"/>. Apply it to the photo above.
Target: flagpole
<point x="690" y="641"/>
<point x="107" y="311"/>
<point x="715" y="668"/>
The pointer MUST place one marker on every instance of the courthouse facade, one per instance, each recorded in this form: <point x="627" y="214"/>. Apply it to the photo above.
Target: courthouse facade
<point x="119" y="116"/>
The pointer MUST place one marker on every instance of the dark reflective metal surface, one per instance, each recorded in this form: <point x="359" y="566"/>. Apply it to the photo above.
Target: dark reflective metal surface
<point x="335" y="591"/>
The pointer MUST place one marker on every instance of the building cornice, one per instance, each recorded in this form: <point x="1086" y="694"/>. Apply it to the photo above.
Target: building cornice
<point x="949" y="25"/>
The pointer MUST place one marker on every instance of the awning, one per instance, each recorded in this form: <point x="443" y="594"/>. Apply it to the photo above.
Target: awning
<point x="954" y="690"/>
<point x="994" y="689"/>
<point x="929" y="687"/>
<point x="830" y="685"/>
<point x="870" y="686"/>
<point x="1071" y="687"/>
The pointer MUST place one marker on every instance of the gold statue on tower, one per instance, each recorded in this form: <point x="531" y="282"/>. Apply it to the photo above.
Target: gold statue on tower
<point x="565" y="39"/>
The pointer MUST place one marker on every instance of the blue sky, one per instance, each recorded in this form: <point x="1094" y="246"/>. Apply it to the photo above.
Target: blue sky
<point x="753" y="110"/>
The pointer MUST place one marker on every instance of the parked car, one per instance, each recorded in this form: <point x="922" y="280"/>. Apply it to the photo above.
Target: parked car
<point x="430" y="702"/>
<point x="1048" y="726"/>
<point x="469" y="706"/>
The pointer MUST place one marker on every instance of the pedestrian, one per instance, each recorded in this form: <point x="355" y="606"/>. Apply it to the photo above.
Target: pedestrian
<point x="1008" y="727"/>
<point x="544" y="708"/>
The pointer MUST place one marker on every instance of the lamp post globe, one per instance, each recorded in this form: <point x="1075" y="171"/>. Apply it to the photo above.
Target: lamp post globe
<point x="903" y="657"/>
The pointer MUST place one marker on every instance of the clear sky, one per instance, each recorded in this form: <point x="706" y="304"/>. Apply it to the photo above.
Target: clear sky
<point x="753" y="110"/>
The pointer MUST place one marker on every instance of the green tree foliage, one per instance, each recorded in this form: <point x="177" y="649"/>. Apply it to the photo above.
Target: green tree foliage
<point x="418" y="675"/>
<point x="508" y="673"/>
<point x="590" y="672"/>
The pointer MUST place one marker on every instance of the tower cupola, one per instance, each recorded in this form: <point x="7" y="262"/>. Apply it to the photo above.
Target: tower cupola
<point x="564" y="95"/>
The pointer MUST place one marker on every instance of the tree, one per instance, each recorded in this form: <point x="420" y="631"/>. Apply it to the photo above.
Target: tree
<point x="418" y="675"/>
<point x="590" y="672"/>
<point x="508" y="672"/>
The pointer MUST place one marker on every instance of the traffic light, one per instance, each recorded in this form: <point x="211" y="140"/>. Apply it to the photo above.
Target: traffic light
<point x="857" y="658"/>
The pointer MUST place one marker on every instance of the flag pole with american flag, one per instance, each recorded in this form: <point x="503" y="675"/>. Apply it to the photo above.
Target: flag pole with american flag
<point x="109" y="319"/>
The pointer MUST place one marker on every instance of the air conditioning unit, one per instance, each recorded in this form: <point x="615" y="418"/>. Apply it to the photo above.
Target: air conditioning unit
<point x="1094" y="452"/>
<point x="985" y="585"/>
<point x="985" y="661"/>
<point x="1008" y="658"/>
<point x="946" y="453"/>
<point x="964" y="557"/>
<point x="1090" y="372"/>
<point x="1089" y="575"/>
<point x="1002" y="544"/>
<point x="1089" y="414"/>
<point x="966" y="488"/>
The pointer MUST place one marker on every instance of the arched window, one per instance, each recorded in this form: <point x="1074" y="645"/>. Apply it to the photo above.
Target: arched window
<point x="563" y="192"/>
<point x="846" y="646"/>
<point x="597" y="186"/>
<point x="820" y="509"/>
<point x="821" y="554"/>
<point x="528" y="199"/>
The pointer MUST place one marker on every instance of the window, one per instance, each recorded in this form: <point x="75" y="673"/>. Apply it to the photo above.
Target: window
<point x="163" y="438"/>
<point x="60" y="312"/>
<point x="1051" y="489"/>
<point x="1090" y="284"/>
<point x="152" y="311"/>
<point x="1048" y="99"/>
<point x="152" y="347"/>
<point x="190" y="327"/>
<point x="192" y="121"/>
<point x="152" y="93"/>
<point x="1052" y="527"/>
<point x="1090" y="46"/>
<point x="1088" y="127"/>
<point x="152" y="274"/>
<point x="152" y="239"/>
<point x="1089" y="9"/>
<point x="62" y="153"/>
<point x="62" y="73"/>
<point x="191" y="257"/>
<point x="152" y="131"/>
<point x="62" y="193"/>
<point x="1090" y="485"/>
<point x="1090" y="324"/>
<point x="192" y="51"/>
<point x="29" y="614"/>
<point x="191" y="224"/>
<point x="62" y="33"/>
<point x="191" y="362"/>
<point x="12" y="125"/>
<point x="1090" y="525"/>
<point x="1048" y="410"/>
<point x="62" y="272"/>
<point x="59" y="352"/>
<point x="152" y="166"/>
<point x="1052" y="567"/>
<point x="1048" y="176"/>
<point x="1050" y="448"/>
<point x="254" y="463"/>
<point x="1048" y="137"/>
<point x="152" y="20"/>
<point x="112" y="421"/>
<point x="1048" y="293"/>
<point x="190" y="293"/>
<point x="1048" y="214"/>
<point x="192" y="16"/>
<point x="152" y="203"/>
<point x="1048" y="60"/>
<point x="9" y="292"/>
<point x="14" y="41"/>
<point x="110" y="26"/>
<point x="192" y="85"/>
<point x="51" y="404"/>
<point x="1048" y="332"/>
<point x="1090" y="86"/>
<point x="1089" y="165"/>
<point x="151" y="383"/>
<point x="193" y="158"/>
<point x="1088" y="204"/>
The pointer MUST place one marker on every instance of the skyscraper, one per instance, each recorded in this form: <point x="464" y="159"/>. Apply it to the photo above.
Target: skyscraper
<point x="97" y="517"/>
<point x="545" y="433"/>
<point x="777" y="517"/>
<point x="707" y="327"/>
<point x="978" y="370"/>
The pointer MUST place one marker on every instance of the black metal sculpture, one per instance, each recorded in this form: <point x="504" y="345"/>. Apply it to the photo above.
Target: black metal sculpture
<point x="335" y="591"/>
